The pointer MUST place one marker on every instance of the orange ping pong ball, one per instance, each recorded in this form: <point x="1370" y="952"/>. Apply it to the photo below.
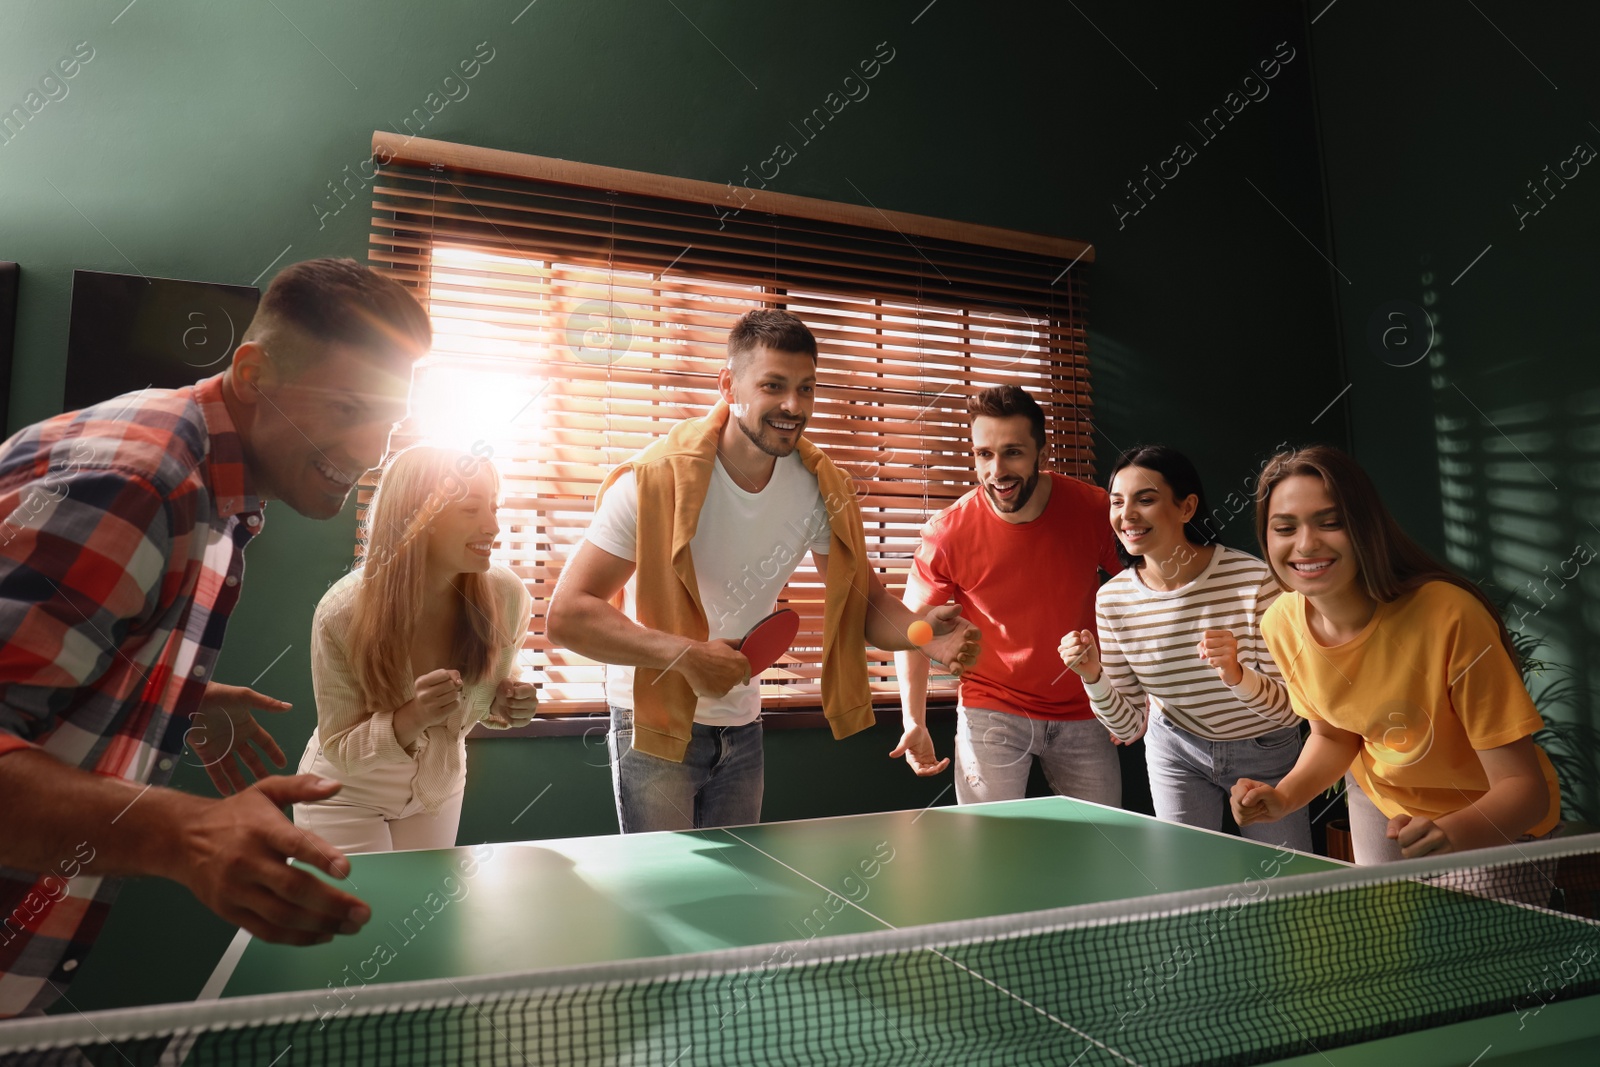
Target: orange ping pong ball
<point x="920" y="633"/>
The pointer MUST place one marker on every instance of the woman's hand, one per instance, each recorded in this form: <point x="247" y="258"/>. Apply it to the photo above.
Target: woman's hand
<point x="1221" y="649"/>
<point x="1079" y="652"/>
<point x="515" y="703"/>
<point x="438" y="696"/>
<point x="1418" y="836"/>
<point x="1255" y="801"/>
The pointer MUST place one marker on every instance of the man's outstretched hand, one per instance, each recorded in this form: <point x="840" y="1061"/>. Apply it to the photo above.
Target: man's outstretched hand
<point x="233" y="855"/>
<point x="228" y="740"/>
<point x="917" y="747"/>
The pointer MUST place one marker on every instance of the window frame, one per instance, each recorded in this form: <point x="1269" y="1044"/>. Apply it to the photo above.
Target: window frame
<point x="428" y="196"/>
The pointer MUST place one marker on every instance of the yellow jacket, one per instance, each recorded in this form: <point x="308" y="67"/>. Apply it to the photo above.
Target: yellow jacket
<point x="672" y="477"/>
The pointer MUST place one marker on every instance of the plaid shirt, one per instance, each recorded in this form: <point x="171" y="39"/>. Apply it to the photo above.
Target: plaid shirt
<point x="121" y="553"/>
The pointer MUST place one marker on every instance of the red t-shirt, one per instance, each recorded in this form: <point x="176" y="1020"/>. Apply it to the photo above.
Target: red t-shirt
<point x="1024" y="585"/>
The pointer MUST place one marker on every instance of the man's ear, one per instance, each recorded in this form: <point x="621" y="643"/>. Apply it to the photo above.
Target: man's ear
<point x="247" y="369"/>
<point x="725" y="384"/>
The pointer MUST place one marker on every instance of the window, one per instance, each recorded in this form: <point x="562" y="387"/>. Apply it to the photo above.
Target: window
<point x="580" y="312"/>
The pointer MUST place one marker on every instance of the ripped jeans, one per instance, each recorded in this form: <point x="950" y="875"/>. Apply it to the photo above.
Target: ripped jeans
<point x="995" y="751"/>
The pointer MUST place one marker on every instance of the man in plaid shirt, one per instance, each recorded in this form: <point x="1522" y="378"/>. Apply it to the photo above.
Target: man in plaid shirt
<point x="121" y="553"/>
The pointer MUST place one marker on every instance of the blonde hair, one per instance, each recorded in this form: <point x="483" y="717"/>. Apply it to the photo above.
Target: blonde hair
<point x="416" y="485"/>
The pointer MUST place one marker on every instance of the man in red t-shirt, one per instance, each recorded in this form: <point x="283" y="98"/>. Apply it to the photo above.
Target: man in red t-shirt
<point x="1021" y="555"/>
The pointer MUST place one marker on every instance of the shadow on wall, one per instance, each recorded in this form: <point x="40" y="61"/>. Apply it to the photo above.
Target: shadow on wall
<point x="1519" y="486"/>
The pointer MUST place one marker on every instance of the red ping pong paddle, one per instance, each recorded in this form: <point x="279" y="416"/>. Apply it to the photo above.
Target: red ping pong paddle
<point x="769" y="638"/>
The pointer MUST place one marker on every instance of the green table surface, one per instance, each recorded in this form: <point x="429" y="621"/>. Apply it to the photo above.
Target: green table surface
<point x="592" y="900"/>
<point x="551" y="904"/>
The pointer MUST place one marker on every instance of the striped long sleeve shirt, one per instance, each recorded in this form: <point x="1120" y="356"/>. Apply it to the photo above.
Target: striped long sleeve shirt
<point x="1148" y="650"/>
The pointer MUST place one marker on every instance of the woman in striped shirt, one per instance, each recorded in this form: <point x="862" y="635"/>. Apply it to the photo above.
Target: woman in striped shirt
<point x="1180" y="651"/>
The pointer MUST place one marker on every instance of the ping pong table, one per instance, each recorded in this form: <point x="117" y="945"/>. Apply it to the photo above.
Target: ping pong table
<point x="1046" y="930"/>
<point x="456" y="913"/>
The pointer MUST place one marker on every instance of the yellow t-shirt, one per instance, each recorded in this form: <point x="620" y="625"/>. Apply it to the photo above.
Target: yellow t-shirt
<point x="1426" y="684"/>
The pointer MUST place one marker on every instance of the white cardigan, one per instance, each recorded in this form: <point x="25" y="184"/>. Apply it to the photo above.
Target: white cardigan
<point x="354" y="739"/>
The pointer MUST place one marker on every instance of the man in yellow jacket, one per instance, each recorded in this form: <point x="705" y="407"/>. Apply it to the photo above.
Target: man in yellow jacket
<point x="691" y="542"/>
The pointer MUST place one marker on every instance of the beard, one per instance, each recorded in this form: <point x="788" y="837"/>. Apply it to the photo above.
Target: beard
<point x="762" y="437"/>
<point x="1024" y="494"/>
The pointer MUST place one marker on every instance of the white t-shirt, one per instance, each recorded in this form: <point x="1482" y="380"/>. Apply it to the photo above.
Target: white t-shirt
<point x="745" y="548"/>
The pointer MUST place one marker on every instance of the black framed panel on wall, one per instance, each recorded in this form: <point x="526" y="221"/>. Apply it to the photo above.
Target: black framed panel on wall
<point x="129" y="332"/>
<point x="10" y="274"/>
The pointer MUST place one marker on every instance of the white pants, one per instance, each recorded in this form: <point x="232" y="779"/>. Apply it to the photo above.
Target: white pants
<point x="375" y="811"/>
<point x="351" y="828"/>
<point x="1517" y="883"/>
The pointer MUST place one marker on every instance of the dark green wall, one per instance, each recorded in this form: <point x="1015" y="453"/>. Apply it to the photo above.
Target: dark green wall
<point x="199" y="141"/>
<point x="1435" y="116"/>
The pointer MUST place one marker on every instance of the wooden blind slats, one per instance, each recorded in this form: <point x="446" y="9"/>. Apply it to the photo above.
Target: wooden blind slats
<point x="576" y="322"/>
<point x="654" y="233"/>
<point x="892" y="265"/>
<point x="929" y="283"/>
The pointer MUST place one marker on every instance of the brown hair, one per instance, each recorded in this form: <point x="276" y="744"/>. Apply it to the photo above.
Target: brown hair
<point x="1004" y="401"/>
<point x="1388" y="561"/>
<point x="339" y="301"/>
<point x="773" y="328"/>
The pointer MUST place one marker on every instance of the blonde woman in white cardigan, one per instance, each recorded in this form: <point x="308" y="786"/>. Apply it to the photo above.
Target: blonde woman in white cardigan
<point x="409" y="652"/>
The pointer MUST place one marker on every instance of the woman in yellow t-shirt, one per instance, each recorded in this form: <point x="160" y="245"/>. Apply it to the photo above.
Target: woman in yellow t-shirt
<point x="1404" y="669"/>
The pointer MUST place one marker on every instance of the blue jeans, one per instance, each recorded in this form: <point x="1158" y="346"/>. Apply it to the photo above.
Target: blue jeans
<point x="995" y="751"/>
<point x="719" y="782"/>
<point x="1191" y="777"/>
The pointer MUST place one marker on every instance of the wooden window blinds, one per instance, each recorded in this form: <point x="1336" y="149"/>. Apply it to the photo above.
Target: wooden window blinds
<point x="580" y="311"/>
